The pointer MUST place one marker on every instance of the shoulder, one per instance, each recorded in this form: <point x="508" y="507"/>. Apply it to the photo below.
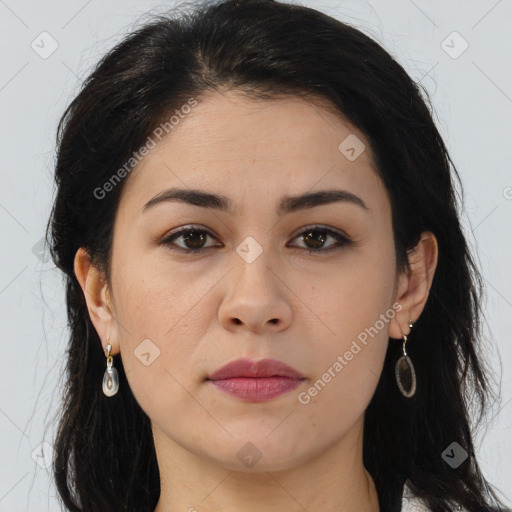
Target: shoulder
<point x="411" y="503"/>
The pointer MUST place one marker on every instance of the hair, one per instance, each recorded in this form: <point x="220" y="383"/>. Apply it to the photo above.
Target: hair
<point x="105" y="456"/>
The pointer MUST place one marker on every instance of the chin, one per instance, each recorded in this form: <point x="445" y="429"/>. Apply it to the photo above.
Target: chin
<point x="261" y="456"/>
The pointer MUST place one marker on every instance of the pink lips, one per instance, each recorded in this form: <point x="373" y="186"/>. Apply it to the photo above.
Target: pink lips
<point x="256" y="381"/>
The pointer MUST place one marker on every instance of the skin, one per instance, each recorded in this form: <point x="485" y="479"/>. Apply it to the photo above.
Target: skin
<point x="204" y="310"/>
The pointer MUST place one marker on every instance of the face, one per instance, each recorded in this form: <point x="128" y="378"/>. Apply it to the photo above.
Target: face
<point x="309" y="283"/>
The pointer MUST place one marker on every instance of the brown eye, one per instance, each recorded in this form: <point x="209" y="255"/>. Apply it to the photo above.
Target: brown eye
<point x="193" y="240"/>
<point x="315" y="238"/>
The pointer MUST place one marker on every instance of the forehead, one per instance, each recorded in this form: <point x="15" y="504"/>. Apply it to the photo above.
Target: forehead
<point x="229" y="141"/>
<point x="232" y="120"/>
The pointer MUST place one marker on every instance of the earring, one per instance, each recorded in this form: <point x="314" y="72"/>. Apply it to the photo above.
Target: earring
<point x="110" y="384"/>
<point x="404" y="371"/>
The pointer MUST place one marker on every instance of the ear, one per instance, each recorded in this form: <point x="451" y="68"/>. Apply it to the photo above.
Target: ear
<point x="413" y="287"/>
<point x="98" y="299"/>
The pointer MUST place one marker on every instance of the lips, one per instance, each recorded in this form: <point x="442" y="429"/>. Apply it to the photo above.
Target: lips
<point x="255" y="369"/>
<point x="256" y="381"/>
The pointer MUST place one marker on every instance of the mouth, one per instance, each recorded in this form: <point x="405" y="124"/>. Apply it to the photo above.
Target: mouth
<point x="256" y="381"/>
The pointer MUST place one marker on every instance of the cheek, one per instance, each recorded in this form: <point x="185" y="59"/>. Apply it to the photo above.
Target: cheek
<point x="164" y="314"/>
<point x="352" y="298"/>
<point x="154" y="298"/>
<point x="346" y="378"/>
<point x="357" y="309"/>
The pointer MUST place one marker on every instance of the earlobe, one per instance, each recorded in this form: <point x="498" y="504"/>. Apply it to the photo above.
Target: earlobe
<point x="414" y="288"/>
<point x="97" y="296"/>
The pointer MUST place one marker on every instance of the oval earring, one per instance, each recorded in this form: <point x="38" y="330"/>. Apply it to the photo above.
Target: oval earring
<point x="404" y="371"/>
<point x="110" y="384"/>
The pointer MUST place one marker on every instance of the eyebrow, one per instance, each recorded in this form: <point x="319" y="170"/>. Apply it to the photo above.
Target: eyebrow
<point x="287" y="204"/>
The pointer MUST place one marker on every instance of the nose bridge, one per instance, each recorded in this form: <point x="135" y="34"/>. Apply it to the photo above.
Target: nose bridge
<point x="255" y="297"/>
<point x="253" y="260"/>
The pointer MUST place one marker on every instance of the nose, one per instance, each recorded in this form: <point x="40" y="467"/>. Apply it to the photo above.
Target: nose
<point x="257" y="299"/>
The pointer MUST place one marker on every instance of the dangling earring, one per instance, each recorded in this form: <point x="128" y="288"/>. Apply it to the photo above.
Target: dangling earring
<point x="404" y="371"/>
<point x="110" y="378"/>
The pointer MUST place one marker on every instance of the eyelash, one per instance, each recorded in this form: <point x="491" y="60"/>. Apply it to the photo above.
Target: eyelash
<point x="342" y="240"/>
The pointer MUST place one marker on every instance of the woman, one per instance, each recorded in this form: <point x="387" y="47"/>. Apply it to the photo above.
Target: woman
<point x="272" y="304"/>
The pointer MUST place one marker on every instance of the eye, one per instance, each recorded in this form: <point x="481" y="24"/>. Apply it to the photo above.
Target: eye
<point x="315" y="237"/>
<point x="193" y="238"/>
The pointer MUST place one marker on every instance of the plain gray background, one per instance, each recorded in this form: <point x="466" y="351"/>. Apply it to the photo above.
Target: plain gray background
<point x="471" y="89"/>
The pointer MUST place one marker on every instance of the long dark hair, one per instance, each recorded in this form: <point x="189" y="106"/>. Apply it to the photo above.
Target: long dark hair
<point x="105" y="456"/>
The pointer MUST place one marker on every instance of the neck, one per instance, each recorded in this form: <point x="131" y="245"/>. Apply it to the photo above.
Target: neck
<point x="333" y="481"/>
